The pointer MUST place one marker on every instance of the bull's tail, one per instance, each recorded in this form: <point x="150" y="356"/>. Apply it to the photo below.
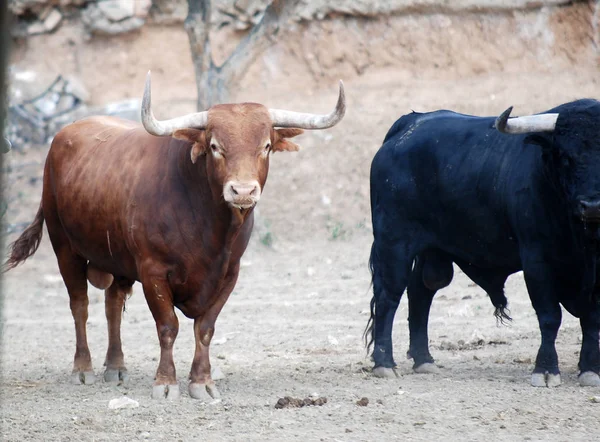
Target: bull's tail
<point x="27" y="244"/>
<point x="368" y="333"/>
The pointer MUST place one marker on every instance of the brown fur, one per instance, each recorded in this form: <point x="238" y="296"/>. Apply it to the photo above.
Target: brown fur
<point x="121" y="206"/>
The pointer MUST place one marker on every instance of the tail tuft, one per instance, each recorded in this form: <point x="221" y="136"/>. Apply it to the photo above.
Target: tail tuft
<point x="502" y="314"/>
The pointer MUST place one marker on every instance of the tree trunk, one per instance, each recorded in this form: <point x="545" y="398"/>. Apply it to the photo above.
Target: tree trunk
<point x="213" y="82"/>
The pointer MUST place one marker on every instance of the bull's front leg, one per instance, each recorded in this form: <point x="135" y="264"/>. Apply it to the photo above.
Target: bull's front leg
<point x="589" y="358"/>
<point x="160" y="300"/>
<point x="542" y="285"/>
<point x="202" y="386"/>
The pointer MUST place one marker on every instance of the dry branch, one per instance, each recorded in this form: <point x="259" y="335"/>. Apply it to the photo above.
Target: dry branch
<point x="214" y="81"/>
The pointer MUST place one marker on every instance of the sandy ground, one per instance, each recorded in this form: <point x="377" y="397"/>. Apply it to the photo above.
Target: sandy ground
<point x="294" y="324"/>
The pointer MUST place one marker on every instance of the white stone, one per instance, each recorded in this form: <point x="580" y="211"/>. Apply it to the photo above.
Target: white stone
<point x="117" y="10"/>
<point x="53" y="20"/>
<point x="123" y="402"/>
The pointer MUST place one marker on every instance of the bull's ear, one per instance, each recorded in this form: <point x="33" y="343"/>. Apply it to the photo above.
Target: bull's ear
<point x="195" y="136"/>
<point x="282" y="144"/>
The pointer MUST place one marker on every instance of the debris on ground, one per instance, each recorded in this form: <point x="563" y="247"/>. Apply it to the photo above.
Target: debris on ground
<point x="123" y="402"/>
<point x="290" y="402"/>
<point x="363" y="402"/>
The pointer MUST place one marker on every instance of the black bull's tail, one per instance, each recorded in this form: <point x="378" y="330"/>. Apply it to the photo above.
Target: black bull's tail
<point x="27" y="244"/>
<point x="368" y="333"/>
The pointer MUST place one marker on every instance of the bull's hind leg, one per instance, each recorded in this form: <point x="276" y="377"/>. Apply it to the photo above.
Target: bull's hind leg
<point x="390" y="266"/>
<point x="73" y="271"/>
<point x="114" y="302"/>
<point x="433" y="271"/>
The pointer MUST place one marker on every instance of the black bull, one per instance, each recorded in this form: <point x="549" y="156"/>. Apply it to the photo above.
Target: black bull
<point x="493" y="198"/>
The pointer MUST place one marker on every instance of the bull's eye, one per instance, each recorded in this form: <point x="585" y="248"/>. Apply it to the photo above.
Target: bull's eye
<point x="213" y="146"/>
<point x="267" y="146"/>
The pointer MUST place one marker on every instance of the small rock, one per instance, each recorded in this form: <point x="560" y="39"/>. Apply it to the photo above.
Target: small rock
<point x="595" y="399"/>
<point x="36" y="28"/>
<point x="310" y="271"/>
<point x="117" y="10"/>
<point x="219" y="341"/>
<point x="123" y="402"/>
<point x="53" y="20"/>
<point x="363" y="402"/>
<point x="332" y="340"/>
<point x="467" y="297"/>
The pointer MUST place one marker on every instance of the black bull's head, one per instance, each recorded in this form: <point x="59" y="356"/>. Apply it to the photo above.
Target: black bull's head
<point x="569" y="136"/>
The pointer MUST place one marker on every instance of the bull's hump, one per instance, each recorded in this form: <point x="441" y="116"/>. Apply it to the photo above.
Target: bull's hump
<point x="111" y="122"/>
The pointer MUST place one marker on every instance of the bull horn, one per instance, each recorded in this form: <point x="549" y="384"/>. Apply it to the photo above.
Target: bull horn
<point x="153" y="126"/>
<point x="284" y="118"/>
<point x="523" y="125"/>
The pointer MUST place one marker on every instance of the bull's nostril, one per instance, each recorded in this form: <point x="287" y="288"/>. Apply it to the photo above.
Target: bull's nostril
<point x="235" y="192"/>
<point x="254" y="191"/>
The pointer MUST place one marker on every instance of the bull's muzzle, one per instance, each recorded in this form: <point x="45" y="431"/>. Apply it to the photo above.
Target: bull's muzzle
<point x="589" y="210"/>
<point x="242" y="194"/>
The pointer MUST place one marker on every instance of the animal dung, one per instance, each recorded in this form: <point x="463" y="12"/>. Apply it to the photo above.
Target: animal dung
<point x="290" y="402"/>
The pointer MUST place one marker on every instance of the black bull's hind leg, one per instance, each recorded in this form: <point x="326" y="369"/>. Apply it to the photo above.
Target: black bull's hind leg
<point x="390" y="267"/>
<point x="432" y="271"/>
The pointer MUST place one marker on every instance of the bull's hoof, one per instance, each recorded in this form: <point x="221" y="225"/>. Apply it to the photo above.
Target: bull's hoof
<point x="545" y="380"/>
<point x="589" y="379"/>
<point x="385" y="372"/>
<point x="427" y="368"/>
<point x="83" y="377"/>
<point x="116" y="375"/>
<point x="170" y="392"/>
<point x="204" y="392"/>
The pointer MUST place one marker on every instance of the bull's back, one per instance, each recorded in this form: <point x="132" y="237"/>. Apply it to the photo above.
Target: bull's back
<point x="446" y="175"/>
<point x="93" y="169"/>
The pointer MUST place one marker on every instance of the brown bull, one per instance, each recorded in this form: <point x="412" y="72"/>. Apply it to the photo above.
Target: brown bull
<point x="168" y="204"/>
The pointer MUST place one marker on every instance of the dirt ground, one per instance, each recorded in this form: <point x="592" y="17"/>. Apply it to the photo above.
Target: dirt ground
<point x="294" y="324"/>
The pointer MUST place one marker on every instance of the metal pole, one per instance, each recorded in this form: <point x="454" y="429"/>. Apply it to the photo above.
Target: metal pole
<point x="4" y="50"/>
